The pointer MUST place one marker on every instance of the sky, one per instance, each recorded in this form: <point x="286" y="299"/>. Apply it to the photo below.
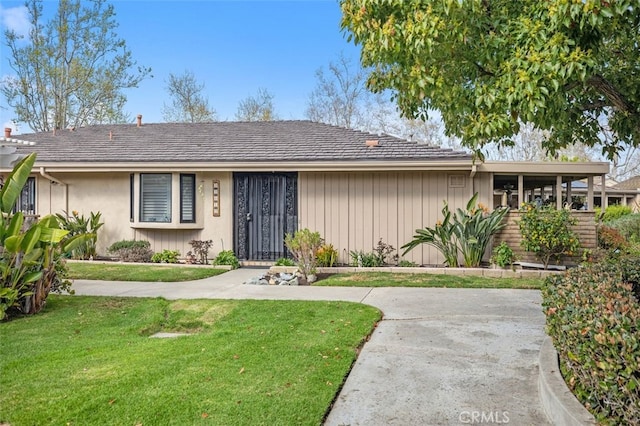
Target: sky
<point x="233" y="47"/>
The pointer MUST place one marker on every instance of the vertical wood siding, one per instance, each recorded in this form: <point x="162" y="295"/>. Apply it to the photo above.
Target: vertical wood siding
<point x="353" y="211"/>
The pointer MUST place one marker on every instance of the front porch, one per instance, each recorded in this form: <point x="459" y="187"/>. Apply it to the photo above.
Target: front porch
<point x="564" y="185"/>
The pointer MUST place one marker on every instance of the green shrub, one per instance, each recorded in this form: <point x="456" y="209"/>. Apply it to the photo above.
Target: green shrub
<point x="613" y="212"/>
<point x="503" y="255"/>
<point x="327" y="255"/>
<point x="547" y="233"/>
<point x="304" y="244"/>
<point x="383" y="254"/>
<point x="166" y="256"/>
<point x="132" y="250"/>
<point x="227" y="257"/>
<point x="594" y="321"/>
<point x="610" y="238"/>
<point x="285" y="261"/>
<point x="362" y="259"/>
<point x="407" y="264"/>
<point x="125" y="244"/>
<point x="628" y="226"/>
<point x="77" y="224"/>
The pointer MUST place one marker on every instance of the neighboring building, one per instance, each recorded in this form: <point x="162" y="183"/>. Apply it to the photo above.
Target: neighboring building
<point x="244" y="185"/>
<point x="626" y="193"/>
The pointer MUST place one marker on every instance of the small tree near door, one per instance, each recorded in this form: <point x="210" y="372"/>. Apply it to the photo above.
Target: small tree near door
<point x="304" y="245"/>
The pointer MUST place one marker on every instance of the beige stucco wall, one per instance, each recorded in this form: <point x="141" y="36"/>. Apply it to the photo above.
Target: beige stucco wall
<point x="108" y="193"/>
<point x="353" y="211"/>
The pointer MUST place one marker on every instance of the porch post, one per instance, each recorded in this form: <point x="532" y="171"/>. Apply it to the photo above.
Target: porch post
<point x="520" y="190"/>
<point x="569" y="199"/>
<point x="558" y="192"/>
<point x="604" y="203"/>
<point x="590" y="193"/>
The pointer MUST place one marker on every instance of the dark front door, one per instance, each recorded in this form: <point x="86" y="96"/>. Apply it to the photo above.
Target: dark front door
<point x="266" y="207"/>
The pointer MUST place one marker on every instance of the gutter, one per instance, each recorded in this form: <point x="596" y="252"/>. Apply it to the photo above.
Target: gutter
<point x="52" y="179"/>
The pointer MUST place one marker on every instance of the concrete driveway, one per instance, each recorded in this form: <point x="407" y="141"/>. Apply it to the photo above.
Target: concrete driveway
<point x="438" y="357"/>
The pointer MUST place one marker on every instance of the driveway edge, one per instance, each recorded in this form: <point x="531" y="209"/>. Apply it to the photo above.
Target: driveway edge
<point x="559" y="403"/>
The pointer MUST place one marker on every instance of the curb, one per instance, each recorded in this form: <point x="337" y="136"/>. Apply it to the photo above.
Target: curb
<point x="560" y="405"/>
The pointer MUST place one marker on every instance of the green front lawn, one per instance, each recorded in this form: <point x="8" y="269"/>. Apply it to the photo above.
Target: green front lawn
<point x="389" y="279"/>
<point x="90" y="361"/>
<point x="149" y="272"/>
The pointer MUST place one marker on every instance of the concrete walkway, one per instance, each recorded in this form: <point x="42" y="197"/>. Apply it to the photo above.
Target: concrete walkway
<point x="439" y="356"/>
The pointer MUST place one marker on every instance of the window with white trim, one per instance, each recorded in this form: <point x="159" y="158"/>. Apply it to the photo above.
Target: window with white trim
<point x="155" y="197"/>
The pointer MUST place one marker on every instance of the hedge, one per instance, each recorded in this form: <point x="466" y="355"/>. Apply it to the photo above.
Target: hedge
<point x="593" y="318"/>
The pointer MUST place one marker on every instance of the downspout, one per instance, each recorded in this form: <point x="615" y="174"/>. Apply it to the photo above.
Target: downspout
<point x="50" y="178"/>
<point x="474" y="169"/>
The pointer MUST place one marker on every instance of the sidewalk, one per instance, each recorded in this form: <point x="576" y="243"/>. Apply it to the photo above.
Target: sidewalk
<point x="438" y="357"/>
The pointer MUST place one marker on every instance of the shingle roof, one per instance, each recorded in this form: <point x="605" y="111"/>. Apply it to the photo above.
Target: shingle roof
<point x="301" y="141"/>
<point x="631" y="183"/>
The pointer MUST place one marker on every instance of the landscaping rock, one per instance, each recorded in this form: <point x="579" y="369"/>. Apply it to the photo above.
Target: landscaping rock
<point x="279" y="278"/>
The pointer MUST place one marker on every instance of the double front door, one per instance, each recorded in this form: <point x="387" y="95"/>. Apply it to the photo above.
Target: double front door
<point x="265" y="209"/>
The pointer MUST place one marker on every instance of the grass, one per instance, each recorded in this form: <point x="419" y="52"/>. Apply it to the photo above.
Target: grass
<point x="389" y="279"/>
<point x="150" y="272"/>
<point x="90" y="361"/>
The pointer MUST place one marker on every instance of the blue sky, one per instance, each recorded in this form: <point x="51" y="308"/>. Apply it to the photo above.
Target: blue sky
<point x="233" y="47"/>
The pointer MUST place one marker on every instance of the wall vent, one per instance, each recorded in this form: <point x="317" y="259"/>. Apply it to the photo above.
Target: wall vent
<point x="457" y="181"/>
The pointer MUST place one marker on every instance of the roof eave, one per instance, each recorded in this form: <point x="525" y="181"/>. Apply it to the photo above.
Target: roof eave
<point x="545" y="168"/>
<point x="311" y="166"/>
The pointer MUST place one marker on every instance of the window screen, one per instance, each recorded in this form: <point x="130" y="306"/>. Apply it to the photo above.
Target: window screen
<point x="155" y="197"/>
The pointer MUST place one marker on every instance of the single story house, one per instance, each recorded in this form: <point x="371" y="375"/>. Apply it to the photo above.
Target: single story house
<point x="245" y="184"/>
<point x="626" y="193"/>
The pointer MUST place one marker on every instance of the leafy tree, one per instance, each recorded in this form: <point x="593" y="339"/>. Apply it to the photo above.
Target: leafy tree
<point x="188" y="105"/>
<point x="73" y="68"/>
<point x="489" y="66"/>
<point x="340" y="97"/>
<point x="257" y="108"/>
<point x="547" y="233"/>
